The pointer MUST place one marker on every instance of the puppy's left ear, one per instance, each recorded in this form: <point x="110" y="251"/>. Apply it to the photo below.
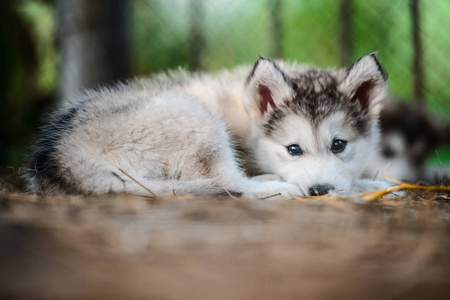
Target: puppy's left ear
<point x="366" y="83"/>
<point x="266" y="87"/>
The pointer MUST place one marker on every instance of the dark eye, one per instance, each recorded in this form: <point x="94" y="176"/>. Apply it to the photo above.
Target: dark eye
<point x="294" y="150"/>
<point x="338" y="146"/>
<point x="388" y="152"/>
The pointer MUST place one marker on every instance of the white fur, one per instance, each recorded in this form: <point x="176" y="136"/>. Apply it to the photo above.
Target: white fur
<point x="318" y="165"/>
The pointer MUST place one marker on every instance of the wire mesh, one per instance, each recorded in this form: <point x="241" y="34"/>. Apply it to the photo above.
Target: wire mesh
<point x="231" y="32"/>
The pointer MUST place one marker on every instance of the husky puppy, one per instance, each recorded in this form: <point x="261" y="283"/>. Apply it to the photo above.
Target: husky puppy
<point x="409" y="136"/>
<point x="313" y="130"/>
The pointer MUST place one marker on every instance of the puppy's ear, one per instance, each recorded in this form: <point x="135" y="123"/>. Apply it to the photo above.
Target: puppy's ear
<point x="266" y="87"/>
<point x="366" y="83"/>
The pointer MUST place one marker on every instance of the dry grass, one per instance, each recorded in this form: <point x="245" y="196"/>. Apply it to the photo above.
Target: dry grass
<point x="192" y="247"/>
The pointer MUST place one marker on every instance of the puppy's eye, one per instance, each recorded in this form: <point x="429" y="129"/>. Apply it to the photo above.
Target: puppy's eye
<point x="338" y="146"/>
<point x="294" y="150"/>
<point x="388" y="152"/>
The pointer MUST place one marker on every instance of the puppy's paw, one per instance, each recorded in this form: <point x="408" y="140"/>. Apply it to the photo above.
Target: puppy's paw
<point x="272" y="190"/>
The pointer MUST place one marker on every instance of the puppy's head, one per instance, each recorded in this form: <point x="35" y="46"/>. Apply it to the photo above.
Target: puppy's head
<point x="315" y="128"/>
<point x="409" y="135"/>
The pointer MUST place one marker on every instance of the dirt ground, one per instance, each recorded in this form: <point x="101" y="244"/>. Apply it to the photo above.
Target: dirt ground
<point x="188" y="247"/>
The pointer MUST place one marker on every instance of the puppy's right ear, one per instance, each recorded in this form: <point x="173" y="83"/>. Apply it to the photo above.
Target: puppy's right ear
<point x="266" y="87"/>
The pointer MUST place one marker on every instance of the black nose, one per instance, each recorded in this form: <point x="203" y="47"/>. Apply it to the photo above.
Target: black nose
<point x="320" y="189"/>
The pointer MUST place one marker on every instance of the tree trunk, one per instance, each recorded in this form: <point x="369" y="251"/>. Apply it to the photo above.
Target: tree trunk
<point x="346" y="45"/>
<point x="197" y="38"/>
<point x="276" y="28"/>
<point x="418" y="71"/>
<point x="94" y="43"/>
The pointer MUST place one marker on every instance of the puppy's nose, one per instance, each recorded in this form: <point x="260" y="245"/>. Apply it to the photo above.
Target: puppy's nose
<point x="320" y="189"/>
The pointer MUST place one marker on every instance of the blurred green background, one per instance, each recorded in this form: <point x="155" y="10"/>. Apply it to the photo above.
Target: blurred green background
<point x="215" y="34"/>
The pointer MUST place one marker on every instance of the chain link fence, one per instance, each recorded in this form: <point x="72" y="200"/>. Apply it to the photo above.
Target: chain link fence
<point x="214" y="34"/>
<point x="39" y="39"/>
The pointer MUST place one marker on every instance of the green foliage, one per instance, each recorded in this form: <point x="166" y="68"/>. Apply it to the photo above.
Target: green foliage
<point x="439" y="158"/>
<point x="40" y="18"/>
<point x="160" y="36"/>
<point x="311" y="32"/>
<point x="436" y="43"/>
<point x="384" y="26"/>
<point x="232" y="39"/>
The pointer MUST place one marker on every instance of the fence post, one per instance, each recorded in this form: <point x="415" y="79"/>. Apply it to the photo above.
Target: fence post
<point x="418" y="71"/>
<point x="276" y="28"/>
<point x="345" y="20"/>
<point x="93" y="39"/>
<point x="196" y="38"/>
